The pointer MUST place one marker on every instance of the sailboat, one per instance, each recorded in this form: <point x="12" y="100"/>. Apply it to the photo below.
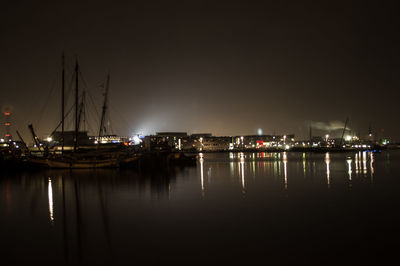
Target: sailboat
<point x="80" y="153"/>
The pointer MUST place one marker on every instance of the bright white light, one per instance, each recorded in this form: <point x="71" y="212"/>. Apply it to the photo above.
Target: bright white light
<point x="348" y="138"/>
<point x="136" y="140"/>
<point x="259" y="131"/>
<point x="2" y="140"/>
<point x="49" y="139"/>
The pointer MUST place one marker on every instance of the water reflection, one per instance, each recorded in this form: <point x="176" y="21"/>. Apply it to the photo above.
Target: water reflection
<point x="328" y="172"/>
<point x="201" y="159"/>
<point x="50" y="196"/>
<point x="363" y="163"/>
<point x="371" y="165"/>
<point x="349" y="171"/>
<point x="114" y="213"/>
<point x="357" y="162"/>
<point x="285" y="169"/>
<point x="364" y="160"/>
<point x="241" y="167"/>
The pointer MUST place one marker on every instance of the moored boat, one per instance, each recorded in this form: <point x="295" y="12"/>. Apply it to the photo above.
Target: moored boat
<point x="70" y="153"/>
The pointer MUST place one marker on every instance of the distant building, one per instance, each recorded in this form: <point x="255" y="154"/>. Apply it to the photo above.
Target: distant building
<point x="109" y="139"/>
<point x="165" y="141"/>
<point x="203" y="135"/>
<point x="172" y="134"/>
<point x="206" y="142"/>
<point x="215" y="143"/>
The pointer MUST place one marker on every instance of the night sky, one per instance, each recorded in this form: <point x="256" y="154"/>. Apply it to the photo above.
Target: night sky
<point x="228" y="68"/>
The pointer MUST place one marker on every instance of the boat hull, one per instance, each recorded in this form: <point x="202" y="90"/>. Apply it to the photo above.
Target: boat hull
<point x="71" y="164"/>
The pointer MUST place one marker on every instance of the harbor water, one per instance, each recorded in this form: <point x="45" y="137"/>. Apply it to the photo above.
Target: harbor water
<point x="229" y="209"/>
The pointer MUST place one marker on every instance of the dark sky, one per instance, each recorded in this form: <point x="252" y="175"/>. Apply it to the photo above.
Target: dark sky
<point x="207" y="66"/>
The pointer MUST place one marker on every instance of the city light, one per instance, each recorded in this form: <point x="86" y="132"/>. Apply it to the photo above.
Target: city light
<point x="49" y="139"/>
<point x="136" y="140"/>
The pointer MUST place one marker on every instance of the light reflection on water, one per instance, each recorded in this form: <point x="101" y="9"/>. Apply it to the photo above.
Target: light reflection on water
<point x="109" y="217"/>
<point x="51" y="208"/>
<point x="284" y="165"/>
<point x="328" y="172"/>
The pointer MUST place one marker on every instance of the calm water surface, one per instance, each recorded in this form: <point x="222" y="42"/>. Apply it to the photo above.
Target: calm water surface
<point x="230" y="209"/>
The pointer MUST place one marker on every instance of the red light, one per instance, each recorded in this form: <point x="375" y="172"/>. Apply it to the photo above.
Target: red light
<point x="7" y="135"/>
<point x="260" y="142"/>
<point x="7" y="113"/>
<point x="7" y="124"/>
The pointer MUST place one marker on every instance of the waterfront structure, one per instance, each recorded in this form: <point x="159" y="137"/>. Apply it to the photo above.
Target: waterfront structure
<point x="206" y="142"/>
<point x="106" y="139"/>
<point x="7" y="125"/>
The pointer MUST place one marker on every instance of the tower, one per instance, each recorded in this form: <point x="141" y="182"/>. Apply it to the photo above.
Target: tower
<point x="7" y="125"/>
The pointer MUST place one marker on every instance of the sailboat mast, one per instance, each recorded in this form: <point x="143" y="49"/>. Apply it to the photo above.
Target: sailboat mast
<point x="62" y="102"/>
<point x="76" y="105"/>
<point x="103" y="113"/>
<point x="82" y="110"/>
